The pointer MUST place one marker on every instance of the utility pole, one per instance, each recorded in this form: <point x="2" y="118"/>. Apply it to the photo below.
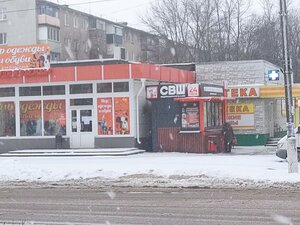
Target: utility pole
<point x="292" y="157"/>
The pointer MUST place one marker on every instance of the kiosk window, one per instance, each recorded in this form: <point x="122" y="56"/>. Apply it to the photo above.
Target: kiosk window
<point x="213" y="114"/>
<point x="190" y="117"/>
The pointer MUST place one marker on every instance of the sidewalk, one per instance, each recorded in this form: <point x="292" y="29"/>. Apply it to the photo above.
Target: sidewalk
<point x="244" y="167"/>
<point x="73" y="152"/>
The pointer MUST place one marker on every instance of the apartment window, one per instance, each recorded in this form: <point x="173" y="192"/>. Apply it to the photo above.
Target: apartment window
<point x="48" y="10"/>
<point x="54" y="56"/>
<point x="53" y="34"/>
<point x="118" y="31"/>
<point x="3" y="15"/>
<point x="3" y="38"/>
<point x="75" y="22"/>
<point x="66" y="20"/>
<point x="100" y="25"/>
<point x="85" y="24"/>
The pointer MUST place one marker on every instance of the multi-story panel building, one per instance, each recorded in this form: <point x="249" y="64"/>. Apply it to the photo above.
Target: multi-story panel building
<point x="71" y="34"/>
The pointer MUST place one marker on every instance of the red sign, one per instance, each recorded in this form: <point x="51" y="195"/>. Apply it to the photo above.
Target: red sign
<point x="28" y="56"/>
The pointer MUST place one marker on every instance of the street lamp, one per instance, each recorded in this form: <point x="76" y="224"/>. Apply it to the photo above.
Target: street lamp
<point x="291" y="141"/>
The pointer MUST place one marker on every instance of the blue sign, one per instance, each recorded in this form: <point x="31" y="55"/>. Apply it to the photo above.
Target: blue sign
<point x="273" y="75"/>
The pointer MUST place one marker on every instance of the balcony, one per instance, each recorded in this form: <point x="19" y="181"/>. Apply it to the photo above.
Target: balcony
<point x="49" y="20"/>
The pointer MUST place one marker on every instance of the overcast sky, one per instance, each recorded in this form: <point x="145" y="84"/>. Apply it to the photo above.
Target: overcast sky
<point x="128" y="10"/>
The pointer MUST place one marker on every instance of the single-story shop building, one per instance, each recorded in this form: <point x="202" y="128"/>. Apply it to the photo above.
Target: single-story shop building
<point x="188" y="117"/>
<point x="92" y="104"/>
<point x="259" y="112"/>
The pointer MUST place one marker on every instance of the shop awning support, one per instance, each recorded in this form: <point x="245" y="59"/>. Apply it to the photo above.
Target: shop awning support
<point x="143" y="80"/>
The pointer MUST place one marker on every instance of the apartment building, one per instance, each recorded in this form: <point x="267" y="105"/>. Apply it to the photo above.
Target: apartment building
<point x="71" y="34"/>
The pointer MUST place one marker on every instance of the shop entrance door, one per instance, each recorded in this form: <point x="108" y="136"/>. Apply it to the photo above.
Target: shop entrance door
<point x="82" y="135"/>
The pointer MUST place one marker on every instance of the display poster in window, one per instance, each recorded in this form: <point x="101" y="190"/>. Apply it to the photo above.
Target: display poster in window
<point x="122" y="119"/>
<point x="25" y="56"/>
<point x="30" y="118"/>
<point x="105" y="121"/>
<point x="7" y="119"/>
<point x="54" y="117"/>
<point x="241" y="116"/>
<point x="190" y="117"/>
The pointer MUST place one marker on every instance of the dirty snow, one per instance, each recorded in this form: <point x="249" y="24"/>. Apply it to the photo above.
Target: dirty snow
<point x="245" y="167"/>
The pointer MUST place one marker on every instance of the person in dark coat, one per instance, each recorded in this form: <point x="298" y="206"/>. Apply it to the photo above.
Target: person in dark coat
<point x="228" y="137"/>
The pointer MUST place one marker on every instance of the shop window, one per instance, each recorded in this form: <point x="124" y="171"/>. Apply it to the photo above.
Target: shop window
<point x="81" y="101"/>
<point x="105" y="119"/>
<point x="54" y="117"/>
<point x="7" y="119"/>
<point x="54" y="90"/>
<point x="190" y="117"/>
<point x="213" y="114"/>
<point x="30" y="118"/>
<point x="30" y="91"/>
<point x="7" y="92"/>
<point x="104" y="88"/>
<point x="121" y="87"/>
<point x="81" y="88"/>
<point x="122" y="119"/>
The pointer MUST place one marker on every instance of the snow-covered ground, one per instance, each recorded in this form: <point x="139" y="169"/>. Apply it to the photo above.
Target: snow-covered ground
<point x="244" y="167"/>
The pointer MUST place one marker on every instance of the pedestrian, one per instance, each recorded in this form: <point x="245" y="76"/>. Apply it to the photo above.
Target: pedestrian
<point x="228" y="137"/>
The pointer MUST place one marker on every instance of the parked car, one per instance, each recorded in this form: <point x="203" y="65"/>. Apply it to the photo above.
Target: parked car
<point x="281" y="150"/>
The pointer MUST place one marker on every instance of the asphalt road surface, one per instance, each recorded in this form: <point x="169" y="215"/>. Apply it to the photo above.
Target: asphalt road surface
<point x="156" y="206"/>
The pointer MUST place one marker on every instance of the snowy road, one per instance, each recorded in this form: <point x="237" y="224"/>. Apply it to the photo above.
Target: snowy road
<point x="144" y="206"/>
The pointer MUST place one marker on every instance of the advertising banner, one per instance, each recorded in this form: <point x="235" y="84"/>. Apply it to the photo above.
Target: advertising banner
<point x="190" y="116"/>
<point x="105" y="121"/>
<point x="54" y="117"/>
<point x="30" y="118"/>
<point x="24" y="57"/>
<point x="7" y="119"/>
<point x="241" y="116"/>
<point x="122" y="119"/>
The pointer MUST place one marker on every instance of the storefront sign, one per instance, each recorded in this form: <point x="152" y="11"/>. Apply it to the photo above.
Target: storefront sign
<point x="174" y="90"/>
<point x="211" y="90"/>
<point x="20" y="57"/>
<point x="25" y="72"/>
<point x="105" y="120"/>
<point x="193" y="90"/>
<point x="152" y="92"/>
<point x="243" y="92"/>
<point x="241" y="116"/>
